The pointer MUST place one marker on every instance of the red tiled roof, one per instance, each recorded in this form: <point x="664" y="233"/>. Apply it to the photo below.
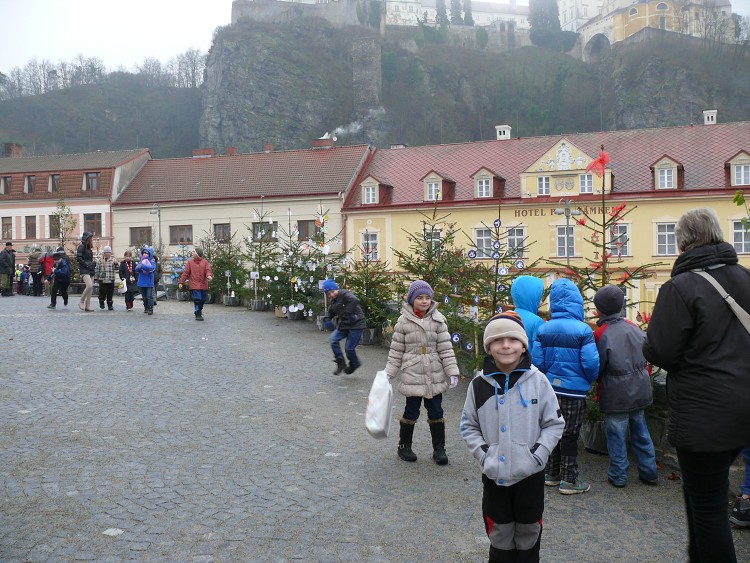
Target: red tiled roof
<point x="702" y="149"/>
<point x="242" y="176"/>
<point x="62" y="162"/>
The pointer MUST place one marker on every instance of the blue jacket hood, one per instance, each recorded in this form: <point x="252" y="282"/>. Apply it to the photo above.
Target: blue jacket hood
<point x="526" y="292"/>
<point x="566" y="301"/>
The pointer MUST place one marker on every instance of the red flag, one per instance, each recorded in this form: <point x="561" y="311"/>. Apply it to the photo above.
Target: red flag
<point x="598" y="165"/>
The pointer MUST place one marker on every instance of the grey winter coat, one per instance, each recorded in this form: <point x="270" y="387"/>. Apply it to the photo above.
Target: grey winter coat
<point x="422" y="350"/>
<point x="511" y="433"/>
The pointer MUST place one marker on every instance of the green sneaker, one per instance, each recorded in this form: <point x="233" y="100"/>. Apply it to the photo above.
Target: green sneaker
<point x="574" y="488"/>
<point x="551" y="480"/>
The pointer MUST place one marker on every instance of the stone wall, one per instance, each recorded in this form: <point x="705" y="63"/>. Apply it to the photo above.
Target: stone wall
<point x="339" y="14"/>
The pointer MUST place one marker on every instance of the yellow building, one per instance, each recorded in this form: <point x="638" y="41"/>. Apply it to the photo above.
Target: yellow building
<point x="658" y="173"/>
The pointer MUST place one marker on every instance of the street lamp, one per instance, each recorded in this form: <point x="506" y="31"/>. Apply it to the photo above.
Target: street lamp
<point x="567" y="211"/>
<point x="156" y="210"/>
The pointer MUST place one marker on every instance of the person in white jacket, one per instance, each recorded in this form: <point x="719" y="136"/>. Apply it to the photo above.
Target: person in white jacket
<point x="511" y="422"/>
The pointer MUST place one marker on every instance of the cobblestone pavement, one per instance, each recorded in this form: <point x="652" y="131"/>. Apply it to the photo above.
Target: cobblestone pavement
<point x="129" y="437"/>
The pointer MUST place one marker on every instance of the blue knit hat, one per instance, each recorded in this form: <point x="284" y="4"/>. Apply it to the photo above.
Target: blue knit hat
<point x="330" y="285"/>
<point x="416" y="289"/>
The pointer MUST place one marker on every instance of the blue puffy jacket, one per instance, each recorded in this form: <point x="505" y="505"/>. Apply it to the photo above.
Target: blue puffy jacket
<point x="527" y="292"/>
<point x="145" y="269"/>
<point x="564" y="348"/>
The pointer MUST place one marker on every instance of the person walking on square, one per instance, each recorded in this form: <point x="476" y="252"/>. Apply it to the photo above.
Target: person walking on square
<point x="128" y="276"/>
<point x="61" y="279"/>
<point x="565" y="350"/>
<point x="145" y="269"/>
<point x="46" y="266"/>
<point x="699" y="340"/>
<point x="347" y="316"/>
<point x="422" y="352"/>
<point x="526" y="292"/>
<point x="740" y="515"/>
<point x="198" y="272"/>
<point x="36" y="270"/>
<point x="86" y="267"/>
<point x="106" y="271"/>
<point x="624" y="389"/>
<point x="511" y="421"/>
<point x="7" y="269"/>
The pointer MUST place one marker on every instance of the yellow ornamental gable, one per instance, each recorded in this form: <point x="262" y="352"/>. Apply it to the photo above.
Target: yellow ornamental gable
<point x="562" y="157"/>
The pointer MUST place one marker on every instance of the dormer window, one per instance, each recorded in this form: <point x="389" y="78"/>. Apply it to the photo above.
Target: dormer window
<point x="90" y="181"/>
<point x="369" y="194"/>
<point x="666" y="178"/>
<point x="433" y="191"/>
<point x="484" y="187"/>
<point x="668" y="174"/>
<point x="586" y="182"/>
<point x="543" y="185"/>
<point x="742" y="174"/>
<point x="54" y="183"/>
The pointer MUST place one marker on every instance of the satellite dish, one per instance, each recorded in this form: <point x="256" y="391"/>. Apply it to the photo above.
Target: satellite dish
<point x="334" y="138"/>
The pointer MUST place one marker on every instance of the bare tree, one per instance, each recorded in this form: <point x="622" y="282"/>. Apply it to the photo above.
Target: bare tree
<point x="190" y="68"/>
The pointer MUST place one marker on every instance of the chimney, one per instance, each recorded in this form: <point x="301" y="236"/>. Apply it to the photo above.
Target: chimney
<point x="322" y="143"/>
<point x="231" y="151"/>
<point x="709" y="116"/>
<point x="268" y="147"/>
<point x="13" y="150"/>
<point x="203" y="153"/>
<point x="503" y="132"/>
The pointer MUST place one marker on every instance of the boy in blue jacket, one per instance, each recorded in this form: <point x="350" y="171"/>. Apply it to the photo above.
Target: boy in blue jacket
<point x="565" y="350"/>
<point x="61" y="273"/>
<point x="511" y="422"/>
<point x="145" y="269"/>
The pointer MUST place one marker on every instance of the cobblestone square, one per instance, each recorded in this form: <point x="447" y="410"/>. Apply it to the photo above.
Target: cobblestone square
<point x="156" y="438"/>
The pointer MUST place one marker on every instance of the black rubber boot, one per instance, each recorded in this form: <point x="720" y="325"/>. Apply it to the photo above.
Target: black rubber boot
<point x="404" y="440"/>
<point x="340" y="366"/>
<point x="437" y="429"/>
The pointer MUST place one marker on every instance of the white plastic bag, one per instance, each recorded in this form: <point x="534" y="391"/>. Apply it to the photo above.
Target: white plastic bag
<point x="379" y="407"/>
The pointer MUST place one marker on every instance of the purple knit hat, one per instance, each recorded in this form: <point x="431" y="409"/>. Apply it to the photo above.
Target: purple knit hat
<point x="416" y="289"/>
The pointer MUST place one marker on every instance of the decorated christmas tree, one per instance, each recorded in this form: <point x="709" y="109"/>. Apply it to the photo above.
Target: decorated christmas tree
<point x="262" y="253"/>
<point x="371" y="281"/>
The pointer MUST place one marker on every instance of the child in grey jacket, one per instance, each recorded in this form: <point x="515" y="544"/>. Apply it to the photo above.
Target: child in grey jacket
<point x="511" y="422"/>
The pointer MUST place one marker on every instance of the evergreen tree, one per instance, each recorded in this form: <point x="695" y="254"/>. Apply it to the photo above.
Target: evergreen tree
<point x="468" y="17"/>
<point x="262" y="251"/>
<point x="544" y="20"/>
<point x="456" y="18"/>
<point x="442" y="14"/>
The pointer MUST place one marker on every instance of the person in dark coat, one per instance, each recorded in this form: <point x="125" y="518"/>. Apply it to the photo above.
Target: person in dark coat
<point x="61" y="277"/>
<point x="7" y="269"/>
<point x="346" y="310"/>
<point x="129" y="277"/>
<point x="697" y="338"/>
<point x="86" y="267"/>
<point x="35" y="268"/>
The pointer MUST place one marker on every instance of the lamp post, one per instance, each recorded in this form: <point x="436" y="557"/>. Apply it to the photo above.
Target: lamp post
<point x="567" y="211"/>
<point x="156" y="210"/>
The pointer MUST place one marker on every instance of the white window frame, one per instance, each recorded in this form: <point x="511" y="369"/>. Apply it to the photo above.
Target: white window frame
<point x="29" y="183"/>
<point x="3" y="185"/>
<point x="666" y="242"/>
<point x="516" y="239"/>
<point x="51" y="184"/>
<point x="369" y="194"/>
<point x="666" y="179"/>
<point x="432" y="192"/>
<point x="560" y="241"/>
<point x="740" y="237"/>
<point x="433" y="237"/>
<point x="586" y="183"/>
<point x="370" y="239"/>
<point x="543" y="185"/>
<point x="742" y="174"/>
<point x="622" y="233"/>
<point x="484" y="187"/>
<point x="483" y="242"/>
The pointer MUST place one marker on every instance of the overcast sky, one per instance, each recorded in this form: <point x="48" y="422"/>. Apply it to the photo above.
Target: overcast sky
<point x="120" y="33"/>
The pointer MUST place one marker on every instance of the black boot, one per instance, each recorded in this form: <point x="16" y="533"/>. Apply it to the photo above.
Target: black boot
<point x="404" y="440"/>
<point x="340" y="366"/>
<point x="437" y="429"/>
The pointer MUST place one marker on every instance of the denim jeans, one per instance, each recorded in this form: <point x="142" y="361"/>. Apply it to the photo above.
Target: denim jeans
<point x="353" y="336"/>
<point x="200" y="296"/>
<point x="434" y="407"/>
<point x="705" y="482"/>
<point x="616" y="426"/>
<point x="147" y="293"/>
<point x="745" y="486"/>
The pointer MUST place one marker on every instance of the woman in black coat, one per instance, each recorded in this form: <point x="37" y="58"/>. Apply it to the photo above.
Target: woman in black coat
<point x="86" y="267"/>
<point x="697" y="338"/>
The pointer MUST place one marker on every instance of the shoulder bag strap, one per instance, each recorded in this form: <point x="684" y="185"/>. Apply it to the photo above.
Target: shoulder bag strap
<point x="742" y="315"/>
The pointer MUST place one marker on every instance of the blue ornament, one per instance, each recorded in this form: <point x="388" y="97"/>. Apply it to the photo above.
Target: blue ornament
<point x="476" y="300"/>
<point x="472" y="254"/>
<point x="469" y="346"/>
<point x="497" y="223"/>
<point x="520" y="265"/>
<point x="503" y="271"/>
<point x="496" y="255"/>
<point x="446" y="300"/>
<point x="455" y="337"/>
<point x="500" y="309"/>
<point x="501" y="287"/>
<point x="496" y="245"/>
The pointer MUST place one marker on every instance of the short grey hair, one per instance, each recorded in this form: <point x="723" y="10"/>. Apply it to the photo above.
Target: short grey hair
<point x="698" y="227"/>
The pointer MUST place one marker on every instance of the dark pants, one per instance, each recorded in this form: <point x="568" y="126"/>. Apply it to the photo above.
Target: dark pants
<point x="129" y="298"/>
<point x="147" y="293"/>
<point x="434" y="407"/>
<point x="199" y="299"/>
<point x="705" y="486"/>
<point x="563" y="459"/>
<point x="513" y="518"/>
<point x="61" y="288"/>
<point x="36" y="283"/>
<point x="353" y="336"/>
<point x="106" y="292"/>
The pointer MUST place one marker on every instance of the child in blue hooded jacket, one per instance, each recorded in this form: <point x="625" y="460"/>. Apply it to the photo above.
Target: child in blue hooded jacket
<point x="145" y="269"/>
<point x="565" y="350"/>
<point x="527" y="292"/>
